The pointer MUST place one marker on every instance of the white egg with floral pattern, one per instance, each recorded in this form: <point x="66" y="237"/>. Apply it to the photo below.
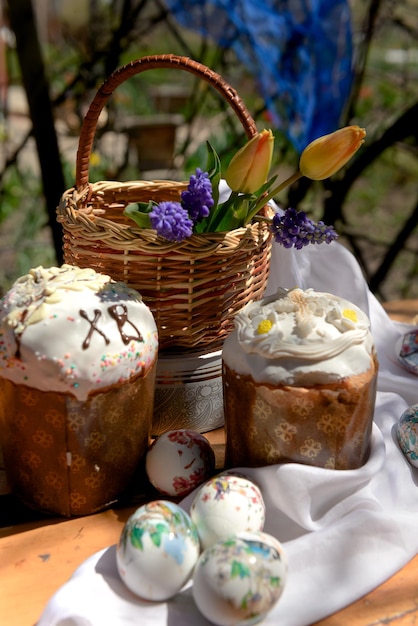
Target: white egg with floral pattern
<point x="227" y="504"/>
<point x="238" y="581"/>
<point x="157" y="550"/>
<point x="178" y="461"/>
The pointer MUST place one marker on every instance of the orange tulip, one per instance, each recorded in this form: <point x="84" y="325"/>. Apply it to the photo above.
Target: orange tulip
<point x="326" y="155"/>
<point x="250" y="166"/>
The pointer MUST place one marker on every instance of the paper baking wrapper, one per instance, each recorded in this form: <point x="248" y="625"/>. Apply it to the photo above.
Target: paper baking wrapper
<point x="68" y="457"/>
<point x="326" y="426"/>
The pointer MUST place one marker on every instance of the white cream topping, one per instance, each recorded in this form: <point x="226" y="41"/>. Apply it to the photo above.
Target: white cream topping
<point x="74" y="330"/>
<point x="299" y="337"/>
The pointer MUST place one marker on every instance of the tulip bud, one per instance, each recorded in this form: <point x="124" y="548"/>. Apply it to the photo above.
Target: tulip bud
<point x="326" y="155"/>
<point x="250" y="166"/>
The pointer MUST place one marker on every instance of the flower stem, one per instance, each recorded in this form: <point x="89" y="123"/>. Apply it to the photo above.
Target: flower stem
<point x="220" y="213"/>
<point x="273" y="192"/>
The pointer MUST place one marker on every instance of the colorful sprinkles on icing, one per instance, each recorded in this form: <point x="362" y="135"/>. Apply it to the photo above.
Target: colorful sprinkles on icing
<point x="43" y="332"/>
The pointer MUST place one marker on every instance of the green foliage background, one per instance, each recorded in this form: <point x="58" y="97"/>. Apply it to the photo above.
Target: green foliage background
<point x="378" y="207"/>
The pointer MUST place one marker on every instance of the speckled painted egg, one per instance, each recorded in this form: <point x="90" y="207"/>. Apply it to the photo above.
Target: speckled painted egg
<point x="224" y="505"/>
<point x="236" y="582"/>
<point x="178" y="461"/>
<point x="157" y="550"/>
<point x="407" y="434"/>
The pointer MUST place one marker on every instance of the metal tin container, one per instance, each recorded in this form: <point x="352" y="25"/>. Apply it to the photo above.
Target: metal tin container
<point x="188" y="392"/>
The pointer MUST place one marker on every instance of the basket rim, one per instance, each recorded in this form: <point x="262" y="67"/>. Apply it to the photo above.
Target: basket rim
<point x="92" y="224"/>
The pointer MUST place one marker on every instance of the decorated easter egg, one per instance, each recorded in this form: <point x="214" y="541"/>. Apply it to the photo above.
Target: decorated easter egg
<point x="178" y="461"/>
<point x="225" y="505"/>
<point x="408" y="351"/>
<point x="407" y="434"/>
<point x="236" y="582"/>
<point x="157" y="550"/>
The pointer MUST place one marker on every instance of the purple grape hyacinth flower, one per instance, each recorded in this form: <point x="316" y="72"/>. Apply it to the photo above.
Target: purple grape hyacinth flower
<point x="197" y="199"/>
<point x="295" y="229"/>
<point x="171" y="221"/>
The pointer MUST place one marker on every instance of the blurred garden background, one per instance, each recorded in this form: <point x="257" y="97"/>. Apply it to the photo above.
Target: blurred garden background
<point x="302" y="68"/>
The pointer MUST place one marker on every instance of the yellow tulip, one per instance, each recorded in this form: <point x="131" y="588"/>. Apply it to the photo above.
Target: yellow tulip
<point x="326" y="155"/>
<point x="250" y="166"/>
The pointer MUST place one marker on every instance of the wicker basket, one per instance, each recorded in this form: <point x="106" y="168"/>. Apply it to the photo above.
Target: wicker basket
<point x="194" y="288"/>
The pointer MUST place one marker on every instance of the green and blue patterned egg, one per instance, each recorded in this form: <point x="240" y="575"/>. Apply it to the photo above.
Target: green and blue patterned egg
<point x="157" y="550"/>
<point x="407" y="434"/>
<point x="238" y="581"/>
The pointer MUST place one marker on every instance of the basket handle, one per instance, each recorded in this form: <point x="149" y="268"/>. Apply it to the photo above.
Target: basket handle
<point x="89" y="126"/>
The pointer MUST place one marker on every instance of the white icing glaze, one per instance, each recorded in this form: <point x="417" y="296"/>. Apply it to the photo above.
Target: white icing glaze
<point x="73" y="330"/>
<point x="312" y="338"/>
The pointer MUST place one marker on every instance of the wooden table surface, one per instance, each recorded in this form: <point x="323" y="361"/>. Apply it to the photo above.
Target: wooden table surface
<point x="36" y="561"/>
<point x="37" y="557"/>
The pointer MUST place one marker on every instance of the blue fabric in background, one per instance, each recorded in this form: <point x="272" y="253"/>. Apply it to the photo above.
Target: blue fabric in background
<point x="299" y="51"/>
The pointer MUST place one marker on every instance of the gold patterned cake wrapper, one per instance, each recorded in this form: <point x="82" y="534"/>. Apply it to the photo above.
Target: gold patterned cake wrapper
<point x="69" y="457"/>
<point x="325" y="426"/>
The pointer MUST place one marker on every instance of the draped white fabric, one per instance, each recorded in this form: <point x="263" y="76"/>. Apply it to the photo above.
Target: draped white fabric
<point x="345" y="532"/>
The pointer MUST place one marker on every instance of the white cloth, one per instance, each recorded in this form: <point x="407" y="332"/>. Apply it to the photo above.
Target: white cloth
<point x="344" y="532"/>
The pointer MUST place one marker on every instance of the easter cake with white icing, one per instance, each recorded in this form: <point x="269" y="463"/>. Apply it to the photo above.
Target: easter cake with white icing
<point x="299" y="382"/>
<point x="78" y="355"/>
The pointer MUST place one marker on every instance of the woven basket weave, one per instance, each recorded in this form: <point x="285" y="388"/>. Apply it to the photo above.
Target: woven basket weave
<point x="193" y="287"/>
